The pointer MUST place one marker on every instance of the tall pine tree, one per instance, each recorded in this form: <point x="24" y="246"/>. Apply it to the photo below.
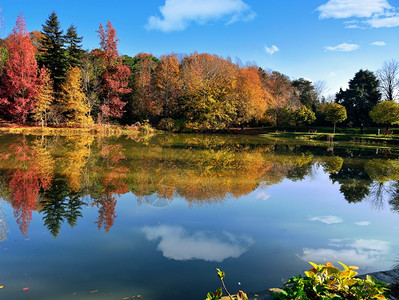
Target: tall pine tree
<point x="53" y="54"/>
<point x="74" y="47"/>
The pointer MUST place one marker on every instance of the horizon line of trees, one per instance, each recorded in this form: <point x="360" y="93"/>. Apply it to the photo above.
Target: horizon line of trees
<point x="47" y="78"/>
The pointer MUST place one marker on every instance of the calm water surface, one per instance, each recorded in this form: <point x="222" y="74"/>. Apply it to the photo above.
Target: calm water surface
<point x="88" y="217"/>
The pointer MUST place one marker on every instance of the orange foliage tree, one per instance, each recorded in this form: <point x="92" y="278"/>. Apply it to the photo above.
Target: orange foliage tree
<point x="168" y="85"/>
<point x="252" y="98"/>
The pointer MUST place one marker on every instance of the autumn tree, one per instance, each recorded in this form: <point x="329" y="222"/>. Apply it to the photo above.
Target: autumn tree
<point x="52" y="52"/>
<point x="91" y="68"/>
<point x="37" y="38"/>
<point x="143" y="88"/>
<point x="44" y="97"/>
<point x="252" y="99"/>
<point x="73" y="99"/>
<point x="335" y="113"/>
<point x="385" y="113"/>
<point x="115" y="75"/>
<point x="20" y="77"/>
<point x="208" y="88"/>
<point x="168" y="85"/>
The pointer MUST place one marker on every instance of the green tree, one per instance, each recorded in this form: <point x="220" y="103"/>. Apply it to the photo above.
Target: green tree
<point x="74" y="50"/>
<point x="385" y="113"/>
<point x="52" y="53"/>
<point x="335" y="113"/>
<point x="303" y="115"/>
<point x="360" y="98"/>
<point x="306" y="92"/>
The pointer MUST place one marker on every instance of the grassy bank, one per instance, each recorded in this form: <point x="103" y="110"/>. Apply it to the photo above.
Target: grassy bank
<point x="352" y="135"/>
<point x="108" y="130"/>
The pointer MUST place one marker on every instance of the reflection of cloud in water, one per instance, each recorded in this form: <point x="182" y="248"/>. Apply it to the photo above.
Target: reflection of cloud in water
<point x="327" y="219"/>
<point x="363" y="223"/>
<point x="176" y="243"/>
<point x="361" y="252"/>
<point x="262" y="195"/>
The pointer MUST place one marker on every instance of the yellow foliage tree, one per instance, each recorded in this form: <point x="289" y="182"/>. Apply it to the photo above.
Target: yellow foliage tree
<point x="73" y="101"/>
<point x="44" y="97"/>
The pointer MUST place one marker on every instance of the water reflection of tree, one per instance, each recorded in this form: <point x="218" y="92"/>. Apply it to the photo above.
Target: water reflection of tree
<point x="354" y="182"/>
<point x="382" y="172"/>
<point x="29" y="170"/>
<point x="201" y="170"/>
<point x="58" y="204"/>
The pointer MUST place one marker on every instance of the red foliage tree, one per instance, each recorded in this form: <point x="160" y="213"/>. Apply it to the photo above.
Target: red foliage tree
<point x="20" y="78"/>
<point x="115" y="76"/>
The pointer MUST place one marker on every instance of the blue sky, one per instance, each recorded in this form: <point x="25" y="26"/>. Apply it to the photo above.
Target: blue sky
<point x="327" y="40"/>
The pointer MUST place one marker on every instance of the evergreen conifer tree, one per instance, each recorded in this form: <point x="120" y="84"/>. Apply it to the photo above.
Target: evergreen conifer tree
<point x="74" y="47"/>
<point x="53" y="54"/>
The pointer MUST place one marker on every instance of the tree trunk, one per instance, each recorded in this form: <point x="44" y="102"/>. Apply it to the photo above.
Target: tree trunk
<point x="334" y="127"/>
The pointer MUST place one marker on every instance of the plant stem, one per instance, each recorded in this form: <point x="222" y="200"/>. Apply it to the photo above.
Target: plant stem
<point x="224" y="287"/>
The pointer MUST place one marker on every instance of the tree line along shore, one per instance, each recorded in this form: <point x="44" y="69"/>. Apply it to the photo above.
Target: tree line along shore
<point x="48" y="80"/>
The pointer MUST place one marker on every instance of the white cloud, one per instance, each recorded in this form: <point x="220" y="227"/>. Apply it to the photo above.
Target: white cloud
<point x="363" y="223"/>
<point x="178" y="14"/>
<point x="367" y="254"/>
<point x="376" y="13"/>
<point x="354" y="26"/>
<point x="327" y="219"/>
<point x="343" y="47"/>
<point x="271" y="50"/>
<point x="176" y="243"/>
<point x="389" y="21"/>
<point x="332" y="75"/>
<point x="379" y="43"/>
<point x="262" y="195"/>
<point x="339" y="9"/>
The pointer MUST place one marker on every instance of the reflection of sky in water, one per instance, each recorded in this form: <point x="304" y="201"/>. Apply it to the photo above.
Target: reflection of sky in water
<point x="258" y="239"/>
<point x="175" y="243"/>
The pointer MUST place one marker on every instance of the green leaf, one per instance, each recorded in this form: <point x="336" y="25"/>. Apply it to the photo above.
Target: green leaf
<point x="221" y="274"/>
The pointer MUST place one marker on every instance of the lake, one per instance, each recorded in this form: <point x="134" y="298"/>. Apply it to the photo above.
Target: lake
<point x="96" y="217"/>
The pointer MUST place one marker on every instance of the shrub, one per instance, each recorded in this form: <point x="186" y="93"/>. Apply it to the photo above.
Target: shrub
<point x="166" y="124"/>
<point x="328" y="282"/>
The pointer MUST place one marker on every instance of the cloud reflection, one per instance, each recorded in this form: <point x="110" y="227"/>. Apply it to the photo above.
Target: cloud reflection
<point x="361" y="252"/>
<point x="327" y="219"/>
<point x="363" y="223"/>
<point x="176" y="243"/>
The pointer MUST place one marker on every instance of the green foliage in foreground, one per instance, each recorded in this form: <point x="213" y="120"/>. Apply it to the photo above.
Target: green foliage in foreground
<point x="329" y="282"/>
<point x="321" y="282"/>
